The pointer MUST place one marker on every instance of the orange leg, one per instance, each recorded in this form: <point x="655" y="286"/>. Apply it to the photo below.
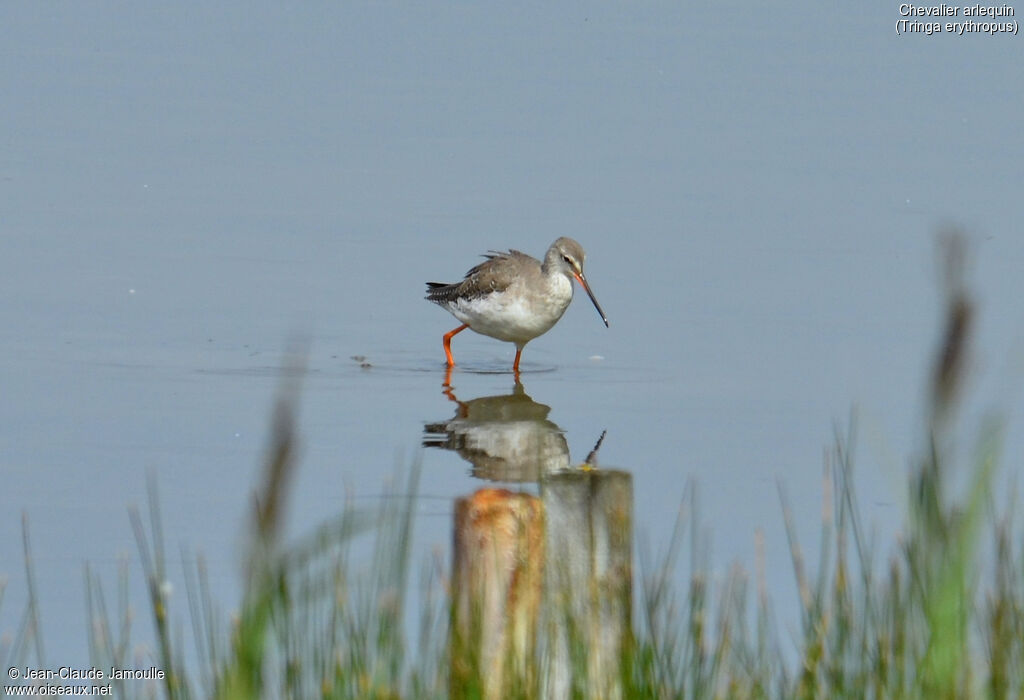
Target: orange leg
<point x="515" y="365"/>
<point x="448" y="343"/>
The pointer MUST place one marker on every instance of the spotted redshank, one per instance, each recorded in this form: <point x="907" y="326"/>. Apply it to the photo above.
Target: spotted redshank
<point x="514" y="297"/>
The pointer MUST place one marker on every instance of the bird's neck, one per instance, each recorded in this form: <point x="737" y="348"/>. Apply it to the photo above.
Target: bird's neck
<point x="552" y="264"/>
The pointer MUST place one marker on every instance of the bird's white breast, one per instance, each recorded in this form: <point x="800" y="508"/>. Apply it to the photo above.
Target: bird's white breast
<point x="518" y="314"/>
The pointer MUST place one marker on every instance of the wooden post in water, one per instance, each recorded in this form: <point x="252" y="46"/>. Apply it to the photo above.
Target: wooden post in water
<point x="496" y="591"/>
<point x="588" y="582"/>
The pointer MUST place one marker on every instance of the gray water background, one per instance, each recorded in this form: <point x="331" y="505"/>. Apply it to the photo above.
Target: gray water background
<point x="185" y="187"/>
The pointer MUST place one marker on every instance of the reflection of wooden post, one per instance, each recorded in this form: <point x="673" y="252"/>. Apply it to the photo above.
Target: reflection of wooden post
<point x="497" y="574"/>
<point x="588" y="588"/>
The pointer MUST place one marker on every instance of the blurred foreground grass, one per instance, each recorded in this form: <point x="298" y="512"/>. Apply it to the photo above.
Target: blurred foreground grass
<point x="940" y="616"/>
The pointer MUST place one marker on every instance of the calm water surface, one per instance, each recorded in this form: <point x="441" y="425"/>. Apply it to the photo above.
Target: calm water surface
<point x="184" y="189"/>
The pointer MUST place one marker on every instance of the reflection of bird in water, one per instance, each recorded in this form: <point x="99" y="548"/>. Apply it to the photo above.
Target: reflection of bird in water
<point x="505" y="438"/>
<point x="591" y="461"/>
<point x="514" y="297"/>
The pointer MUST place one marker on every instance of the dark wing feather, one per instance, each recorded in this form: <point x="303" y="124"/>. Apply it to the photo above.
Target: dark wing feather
<point x="494" y="274"/>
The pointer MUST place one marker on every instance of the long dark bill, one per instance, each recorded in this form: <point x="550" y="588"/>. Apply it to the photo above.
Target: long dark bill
<point x="583" y="282"/>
